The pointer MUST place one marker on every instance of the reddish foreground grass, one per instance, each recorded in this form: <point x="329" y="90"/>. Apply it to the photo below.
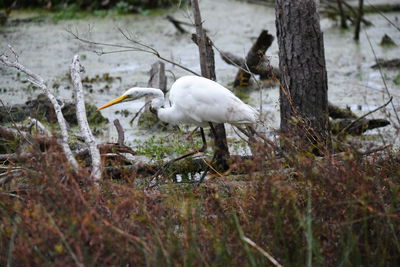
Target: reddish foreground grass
<point x="323" y="211"/>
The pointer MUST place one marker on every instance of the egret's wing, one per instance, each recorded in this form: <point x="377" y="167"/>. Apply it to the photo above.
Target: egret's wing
<point x="203" y="100"/>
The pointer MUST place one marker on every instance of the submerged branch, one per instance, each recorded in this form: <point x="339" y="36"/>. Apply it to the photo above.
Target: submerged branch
<point x="365" y="115"/>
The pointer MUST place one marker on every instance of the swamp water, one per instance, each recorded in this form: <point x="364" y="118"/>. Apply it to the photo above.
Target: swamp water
<point x="47" y="49"/>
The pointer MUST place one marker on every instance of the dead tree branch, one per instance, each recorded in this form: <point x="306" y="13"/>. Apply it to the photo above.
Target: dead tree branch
<point x="120" y="131"/>
<point x="40" y="126"/>
<point x="178" y="23"/>
<point x="136" y="47"/>
<point x="39" y="81"/>
<point x="76" y="69"/>
<point x="255" y="62"/>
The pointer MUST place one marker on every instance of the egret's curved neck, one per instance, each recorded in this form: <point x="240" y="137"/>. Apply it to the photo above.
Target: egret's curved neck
<point x="166" y="114"/>
<point x="155" y="94"/>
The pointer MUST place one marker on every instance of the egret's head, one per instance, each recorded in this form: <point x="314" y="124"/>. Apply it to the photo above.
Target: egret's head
<point x="129" y="95"/>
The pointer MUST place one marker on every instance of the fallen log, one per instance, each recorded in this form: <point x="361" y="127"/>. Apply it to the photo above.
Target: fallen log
<point x="340" y="113"/>
<point x="264" y="70"/>
<point x="359" y="127"/>
<point x="389" y="64"/>
<point x="255" y="62"/>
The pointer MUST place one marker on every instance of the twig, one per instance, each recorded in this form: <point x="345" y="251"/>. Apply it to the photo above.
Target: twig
<point x="383" y="78"/>
<point x="140" y="47"/>
<point x="11" y="245"/>
<point x="380" y="13"/>
<point x="374" y="150"/>
<point x="27" y="156"/>
<point x="138" y="112"/>
<point x="178" y="23"/>
<point x="76" y="68"/>
<point x="365" y="115"/>
<point x="39" y="81"/>
<point x="262" y="251"/>
<point x="63" y="239"/>
<point x="40" y="126"/>
<point x="9" y="175"/>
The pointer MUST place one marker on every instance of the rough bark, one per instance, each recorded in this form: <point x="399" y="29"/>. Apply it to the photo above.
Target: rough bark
<point x="304" y="87"/>
<point x="207" y="66"/>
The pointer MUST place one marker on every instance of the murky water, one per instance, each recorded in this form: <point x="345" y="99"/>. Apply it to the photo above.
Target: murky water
<point x="47" y="49"/>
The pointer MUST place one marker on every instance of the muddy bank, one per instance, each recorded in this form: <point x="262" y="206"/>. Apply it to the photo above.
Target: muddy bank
<point x="42" y="110"/>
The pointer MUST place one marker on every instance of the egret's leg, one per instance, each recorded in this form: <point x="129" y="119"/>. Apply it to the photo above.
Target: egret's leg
<point x="213" y="158"/>
<point x="214" y="132"/>
<point x="203" y="138"/>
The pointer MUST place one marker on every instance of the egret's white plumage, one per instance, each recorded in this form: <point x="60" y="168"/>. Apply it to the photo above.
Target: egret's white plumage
<point x="194" y="100"/>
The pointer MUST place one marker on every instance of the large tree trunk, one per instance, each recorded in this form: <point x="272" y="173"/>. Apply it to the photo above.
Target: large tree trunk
<point x="304" y="89"/>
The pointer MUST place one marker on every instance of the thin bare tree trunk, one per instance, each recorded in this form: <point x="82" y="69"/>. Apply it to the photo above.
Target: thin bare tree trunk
<point x="208" y="70"/>
<point x="343" y="23"/>
<point x="359" y="18"/>
<point x="76" y="68"/>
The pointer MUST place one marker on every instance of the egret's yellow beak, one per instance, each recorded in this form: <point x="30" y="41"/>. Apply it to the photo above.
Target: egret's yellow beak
<point x="113" y="102"/>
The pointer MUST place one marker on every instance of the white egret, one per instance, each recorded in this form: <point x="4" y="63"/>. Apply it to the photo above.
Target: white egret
<point x="194" y="100"/>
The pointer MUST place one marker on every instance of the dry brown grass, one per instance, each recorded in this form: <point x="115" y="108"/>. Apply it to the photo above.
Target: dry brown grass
<point x="325" y="211"/>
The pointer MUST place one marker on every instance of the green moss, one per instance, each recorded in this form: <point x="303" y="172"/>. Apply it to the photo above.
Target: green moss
<point x="149" y="120"/>
<point x="158" y="148"/>
<point x="396" y="79"/>
<point x="387" y="41"/>
<point x="243" y="93"/>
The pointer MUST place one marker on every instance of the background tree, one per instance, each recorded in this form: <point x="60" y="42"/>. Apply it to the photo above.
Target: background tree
<point x="304" y="87"/>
